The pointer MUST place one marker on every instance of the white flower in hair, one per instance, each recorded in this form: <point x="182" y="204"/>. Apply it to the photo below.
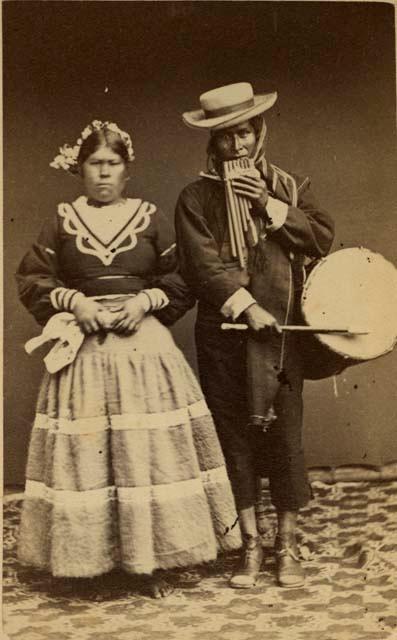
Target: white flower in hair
<point x="67" y="157"/>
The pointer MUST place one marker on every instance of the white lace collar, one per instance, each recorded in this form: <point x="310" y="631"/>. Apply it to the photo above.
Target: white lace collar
<point x="106" y="231"/>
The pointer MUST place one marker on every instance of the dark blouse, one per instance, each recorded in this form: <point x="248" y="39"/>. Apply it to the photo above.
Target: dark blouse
<point x="101" y="251"/>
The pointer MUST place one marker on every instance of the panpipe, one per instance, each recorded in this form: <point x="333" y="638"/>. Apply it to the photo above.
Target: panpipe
<point x="240" y="224"/>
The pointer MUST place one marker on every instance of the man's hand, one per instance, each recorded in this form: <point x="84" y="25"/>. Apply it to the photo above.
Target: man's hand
<point x="254" y="188"/>
<point x="258" y="318"/>
<point x="131" y="315"/>
<point x="88" y="314"/>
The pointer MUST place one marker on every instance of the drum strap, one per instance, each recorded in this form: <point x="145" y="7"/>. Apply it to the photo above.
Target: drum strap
<point x="272" y="286"/>
<point x="287" y="183"/>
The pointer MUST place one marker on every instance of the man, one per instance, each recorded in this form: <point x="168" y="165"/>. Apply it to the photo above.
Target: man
<point x="252" y="380"/>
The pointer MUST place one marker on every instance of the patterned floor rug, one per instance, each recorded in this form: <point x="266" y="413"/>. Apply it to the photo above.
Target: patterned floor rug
<point x="349" y="542"/>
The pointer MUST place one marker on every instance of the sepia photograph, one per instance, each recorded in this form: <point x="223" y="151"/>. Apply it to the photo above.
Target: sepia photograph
<point x="200" y="320"/>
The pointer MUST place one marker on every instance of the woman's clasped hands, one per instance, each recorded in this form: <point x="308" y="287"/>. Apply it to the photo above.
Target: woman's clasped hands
<point x="131" y="314"/>
<point x="125" y="319"/>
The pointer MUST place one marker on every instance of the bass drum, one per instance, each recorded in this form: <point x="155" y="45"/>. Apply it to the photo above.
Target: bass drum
<point x="353" y="288"/>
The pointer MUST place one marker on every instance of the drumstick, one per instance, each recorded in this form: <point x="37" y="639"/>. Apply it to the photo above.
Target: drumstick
<point x="358" y="331"/>
<point x="302" y="327"/>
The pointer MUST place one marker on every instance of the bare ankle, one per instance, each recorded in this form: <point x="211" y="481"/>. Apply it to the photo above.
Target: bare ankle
<point x="287" y="523"/>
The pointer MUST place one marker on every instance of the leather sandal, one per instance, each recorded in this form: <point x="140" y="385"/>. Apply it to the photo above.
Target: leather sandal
<point x="186" y="578"/>
<point x="289" y="571"/>
<point x="247" y="572"/>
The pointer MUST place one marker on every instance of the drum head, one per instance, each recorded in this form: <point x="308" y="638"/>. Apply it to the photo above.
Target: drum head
<point x="357" y="289"/>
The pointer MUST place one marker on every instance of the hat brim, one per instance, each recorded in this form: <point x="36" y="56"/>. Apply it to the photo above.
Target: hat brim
<point x="198" y="120"/>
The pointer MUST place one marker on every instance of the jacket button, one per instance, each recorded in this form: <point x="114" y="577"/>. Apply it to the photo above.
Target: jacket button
<point x="291" y="255"/>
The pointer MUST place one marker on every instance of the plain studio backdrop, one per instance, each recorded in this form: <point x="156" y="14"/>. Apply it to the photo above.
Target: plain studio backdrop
<point x="143" y="64"/>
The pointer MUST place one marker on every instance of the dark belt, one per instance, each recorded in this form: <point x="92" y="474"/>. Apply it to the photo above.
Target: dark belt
<point x="109" y="286"/>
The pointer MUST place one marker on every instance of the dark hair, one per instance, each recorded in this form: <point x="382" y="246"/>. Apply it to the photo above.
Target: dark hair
<point x="99" y="138"/>
<point x="256" y="123"/>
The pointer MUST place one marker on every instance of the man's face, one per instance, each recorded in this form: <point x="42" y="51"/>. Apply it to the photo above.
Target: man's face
<point x="235" y="142"/>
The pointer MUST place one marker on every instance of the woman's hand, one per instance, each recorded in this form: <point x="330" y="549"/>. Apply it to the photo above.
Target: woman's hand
<point x="88" y="314"/>
<point x="254" y="188"/>
<point x="131" y="315"/>
<point x="258" y="318"/>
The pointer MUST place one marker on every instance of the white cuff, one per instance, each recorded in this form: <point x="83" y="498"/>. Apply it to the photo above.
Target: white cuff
<point x="158" y="299"/>
<point x="277" y="212"/>
<point x="63" y="299"/>
<point x="237" y="303"/>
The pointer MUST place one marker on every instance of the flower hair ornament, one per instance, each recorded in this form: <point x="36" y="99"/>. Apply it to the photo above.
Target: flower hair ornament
<point x="67" y="157"/>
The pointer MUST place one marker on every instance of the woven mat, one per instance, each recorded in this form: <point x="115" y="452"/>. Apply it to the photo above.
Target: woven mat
<point x="349" y="542"/>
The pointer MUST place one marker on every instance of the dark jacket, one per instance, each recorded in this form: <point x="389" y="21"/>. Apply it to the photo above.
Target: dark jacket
<point x="274" y="277"/>
<point x="204" y="254"/>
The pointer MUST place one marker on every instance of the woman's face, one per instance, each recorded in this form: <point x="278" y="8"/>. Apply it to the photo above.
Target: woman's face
<point x="104" y="175"/>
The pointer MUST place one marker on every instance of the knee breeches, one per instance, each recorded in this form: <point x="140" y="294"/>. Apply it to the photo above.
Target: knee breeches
<point x="277" y="454"/>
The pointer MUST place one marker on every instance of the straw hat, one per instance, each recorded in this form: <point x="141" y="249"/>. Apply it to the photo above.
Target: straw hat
<point x="228" y="106"/>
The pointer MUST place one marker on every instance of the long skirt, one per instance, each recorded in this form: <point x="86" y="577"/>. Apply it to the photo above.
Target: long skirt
<point x="124" y="466"/>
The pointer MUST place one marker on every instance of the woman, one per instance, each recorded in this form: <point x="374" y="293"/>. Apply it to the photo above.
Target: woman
<point x="124" y="467"/>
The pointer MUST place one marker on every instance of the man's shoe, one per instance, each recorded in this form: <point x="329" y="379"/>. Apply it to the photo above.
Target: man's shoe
<point x="289" y="571"/>
<point x="247" y="572"/>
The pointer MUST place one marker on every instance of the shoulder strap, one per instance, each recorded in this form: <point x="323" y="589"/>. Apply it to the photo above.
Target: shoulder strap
<point x="288" y="182"/>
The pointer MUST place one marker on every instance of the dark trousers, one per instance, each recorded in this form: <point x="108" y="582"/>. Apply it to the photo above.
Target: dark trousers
<point x="277" y="454"/>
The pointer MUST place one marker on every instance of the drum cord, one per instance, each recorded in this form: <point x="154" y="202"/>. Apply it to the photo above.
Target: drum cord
<point x="283" y="334"/>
